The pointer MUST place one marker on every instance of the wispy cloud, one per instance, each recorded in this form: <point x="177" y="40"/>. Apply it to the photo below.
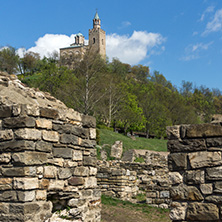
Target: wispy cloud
<point x="193" y="51"/>
<point x="124" y="24"/>
<point x="208" y="10"/>
<point x="215" y="24"/>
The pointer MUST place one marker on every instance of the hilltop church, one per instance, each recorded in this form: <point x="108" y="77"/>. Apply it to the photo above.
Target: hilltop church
<point x="97" y="43"/>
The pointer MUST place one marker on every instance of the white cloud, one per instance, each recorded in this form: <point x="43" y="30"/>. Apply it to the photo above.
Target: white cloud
<point x="133" y="49"/>
<point x="193" y="51"/>
<point x="124" y="24"/>
<point x="215" y="24"/>
<point x="208" y="10"/>
<point x="129" y="49"/>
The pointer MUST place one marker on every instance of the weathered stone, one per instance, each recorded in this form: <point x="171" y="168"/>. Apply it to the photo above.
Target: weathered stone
<point x="81" y="171"/>
<point x="177" y="161"/>
<point x="76" y="202"/>
<point x="77" y="155"/>
<point x="206" y="188"/>
<point x="92" y="133"/>
<point x="60" y="128"/>
<point x="50" y="171"/>
<point x="26" y="183"/>
<point x="92" y="171"/>
<point x="175" y="178"/>
<point x="173" y="132"/>
<point x="214" y="199"/>
<point x="6" y="135"/>
<point x="90" y="182"/>
<point x="5" y="111"/>
<point x="43" y="146"/>
<point x="57" y="162"/>
<point x="194" y="177"/>
<point x="81" y="132"/>
<point x="30" y="158"/>
<point x="202" y="212"/>
<point x="76" y="181"/>
<point x="41" y="195"/>
<point x="48" y="113"/>
<point x="204" y="159"/>
<point x="9" y="195"/>
<point x="70" y="164"/>
<point x="186" y="145"/>
<point x="88" y="121"/>
<point x="178" y="211"/>
<point x="18" y="122"/>
<point x="89" y="161"/>
<point x="183" y="192"/>
<point x="5" y="183"/>
<point x="43" y="184"/>
<point x="64" y="173"/>
<point x="50" y="136"/>
<point x="18" y="171"/>
<point x="214" y="142"/>
<point x="44" y="123"/>
<point x="56" y="185"/>
<point x="4" y="208"/>
<point x="63" y="152"/>
<point x="28" y="134"/>
<point x="103" y="155"/>
<point x="164" y="194"/>
<point x="214" y="173"/>
<point x="18" y="145"/>
<point x="5" y="157"/>
<point x="86" y="142"/>
<point x="32" y="110"/>
<point x="26" y="196"/>
<point x="117" y="150"/>
<point x="69" y="139"/>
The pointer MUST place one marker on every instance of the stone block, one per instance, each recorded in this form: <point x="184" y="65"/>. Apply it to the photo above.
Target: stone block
<point x="44" y="123"/>
<point x="5" y="111"/>
<point x="65" y="153"/>
<point x="178" y="211"/>
<point x="18" y="145"/>
<point x="18" y="171"/>
<point x="26" y="183"/>
<point x="175" y="178"/>
<point x="43" y="146"/>
<point x="76" y="181"/>
<point x="26" y="196"/>
<point x="173" y="132"/>
<point x="32" y="110"/>
<point x="49" y="113"/>
<point x="204" y="159"/>
<point x="217" y="199"/>
<point x="81" y="171"/>
<point x="86" y="142"/>
<point x="214" y="142"/>
<point x="202" y="212"/>
<point x="43" y="184"/>
<point x="70" y="164"/>
<point x="81" y="132"/>
<point x="18" y="122"/>
<point x="64" y="173"/>
<point x="60" y="128"/>
<point x="117" y="149"/>
<point x="5" y="157"/>
<point x="6" y="135"/>
<point x="4" y="208"/>
<point x="50" y="172"/>
<point x="50" y="136"/>
<point x="92" y="171"/>
<point x="88" y="121"/>
<point x="90" y="182"/>
<point x="164" y="194"/>
<point x="77" y="155"/>
<point x="57" y="162"/>
<point x="56" y="185"/>
<point x="214" y="173"/>
<point x="69" y="139"/>
<point x="30" y="158"/>
<point x="89" y="161"/>
<point x="194" y="177"/>
<point x="207" y="188"/>
<point x="177" y="161"/>
<point x="41" y="195"/>
<point x="9" y="195"/>
<point x="92" y="134"/>
<point x="5" y="183"/>
<point x="28" y="134"/>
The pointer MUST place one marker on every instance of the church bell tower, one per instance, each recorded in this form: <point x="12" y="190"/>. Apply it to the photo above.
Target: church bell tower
<point x="97" y="37"/>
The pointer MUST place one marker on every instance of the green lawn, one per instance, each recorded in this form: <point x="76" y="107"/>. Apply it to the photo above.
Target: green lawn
<point x="109" y="137"/>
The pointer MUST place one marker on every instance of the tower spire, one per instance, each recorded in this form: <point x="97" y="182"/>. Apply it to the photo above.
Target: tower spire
<point x="96" y="21"/>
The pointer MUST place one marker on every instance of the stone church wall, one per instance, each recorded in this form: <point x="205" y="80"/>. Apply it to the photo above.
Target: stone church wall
<point x="195" y="166"/>
<point x="47" y="158"/>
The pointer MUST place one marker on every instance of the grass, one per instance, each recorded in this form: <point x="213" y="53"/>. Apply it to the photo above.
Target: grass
<point x="109" y="137"/>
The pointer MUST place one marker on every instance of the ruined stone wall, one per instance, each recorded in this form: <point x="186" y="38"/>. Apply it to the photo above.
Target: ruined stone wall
<point x="127" y="179"/>
<point x="47" y="158"/>
<point x="196" y="172"/>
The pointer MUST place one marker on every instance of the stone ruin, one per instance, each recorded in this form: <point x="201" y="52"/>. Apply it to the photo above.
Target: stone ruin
<point x="47" y="158"/>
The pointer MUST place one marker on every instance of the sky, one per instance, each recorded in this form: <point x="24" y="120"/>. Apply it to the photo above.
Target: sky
<point x="182" y="39"/>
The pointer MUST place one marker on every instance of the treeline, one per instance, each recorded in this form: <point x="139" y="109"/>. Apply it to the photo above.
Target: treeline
<point x="119" y="95"/>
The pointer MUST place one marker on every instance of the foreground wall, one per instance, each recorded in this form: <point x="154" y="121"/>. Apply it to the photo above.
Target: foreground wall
<point x="196" y="172"/>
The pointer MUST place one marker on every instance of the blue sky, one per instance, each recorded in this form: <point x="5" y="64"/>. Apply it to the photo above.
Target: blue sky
<point x="182" y="39"/>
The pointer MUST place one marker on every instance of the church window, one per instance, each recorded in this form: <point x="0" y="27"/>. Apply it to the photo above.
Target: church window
<point x="94" y="40"/>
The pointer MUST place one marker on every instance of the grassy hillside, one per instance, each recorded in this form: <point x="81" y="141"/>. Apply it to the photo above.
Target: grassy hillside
<point x="109" y="137"/>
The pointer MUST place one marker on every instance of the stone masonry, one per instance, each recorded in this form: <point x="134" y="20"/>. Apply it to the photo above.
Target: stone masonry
<point x="47" y="158"/>
<point x="195" y="166"/>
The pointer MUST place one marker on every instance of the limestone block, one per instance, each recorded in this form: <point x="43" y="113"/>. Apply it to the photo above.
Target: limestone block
<point x="18" y="122"/>
<point x="214" y="199"/>
<point x="92" y="133"/>
<point x="88" y="121"/>
<point x="6" y="135"/>
<point x="18" y="145"/>
<point x="86" y="142"/>
<point x="81" y="132"/>
<point x="5" y="183"/>
<point x="89" y="161"/>
<point x="204" y="159"/>
<point x="41" y="195"/>
<point x="26" y="183"/>
<point x="48" y="113"/>
<point x="44" y="123"/>
<point x="76" y="181"/>
<point x="194" y="176"/>
<point x="117" y="149"/>
<point x="178" y="211"/>
<point x="164" y="194"/>
<point x="77" y="155"/>
<point x="9" y="195"/>
<point x="5" y="157"/>
<point x="65" y="153"/>
<point x="32" y="110"/>
<point x="81" y="171"/>
<point x="92" y="171"/>
<point x="214" y="142"/>
<point x="50" y="171"/>
<point x="214" y="173"/>
<point x="50" y="136"/>
<point x="30" y="158"/>
<point x="64" y="173"/>
<point x="5" y="111"/>
<point x="28" y="134"/>
<point x="76" y="202"/>
<point x="18" y="171"/>
<point x="43" y="146"/>
<point x="173" y="132"/>
<point x="177" y="161"/>
<point x="26" y="196"/>
<point x="90" y="182"/>
<point x="69" y="139"/>
<point x="69" y="163"/>
<point x="103" y="155"/>
<point x="43" y="184"/>
<point x="4" y="208"/>
<point x="175" y="178"/>
<point x="0" y="124"/>
<point x="56" y="185"/>
<point x="57" y="162"/>
<point x="73" y="115"/>
<point x="207" y="188"/>
<point x="202" y="212"/>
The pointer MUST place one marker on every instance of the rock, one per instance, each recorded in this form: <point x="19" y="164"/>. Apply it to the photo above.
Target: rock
<point x="5" y="157"/>
<point x="117" y="150"/>
<point x="76" y="181"/>
<point x="103" y="155"/>
<point x="214" y="173"/>
<point x="26" y="196"/>
<point x="194" y="177"/>
<point x="18" y="145"/>
<point x="26" y="183"/>
<point x="177" y="161"/>
<point x="69" y="139"/>
<point x="64" y="173"/>
<point x="173" y="132"/>
<point x="175" y="178"/>
<point x="6" y="135"/>
<point x="28" y="134"/>
<point x="214" y="199"/>
<point x="77" y="155"/>
<point x="50" y="172"/>
<point x="65" y="153"/>
<point x="56" y="185"/>
<point x="50" y="136"/>
<point x="207" y="188"/>
<point x="81" y="171"/>
<point x="44" y="124"/>
<point x="89" y="161"/>
<point x="5" y="183"/>
<point x="48" y="113"/>
<point x="88" y="121"/>
<point x="5" y="111"/>
<point x="43" y="146"/>
<point x="9" y="195"/>
<point x="18" y="122"/>
<point x="92" y="133"/>
<point x="178" y="211"/>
